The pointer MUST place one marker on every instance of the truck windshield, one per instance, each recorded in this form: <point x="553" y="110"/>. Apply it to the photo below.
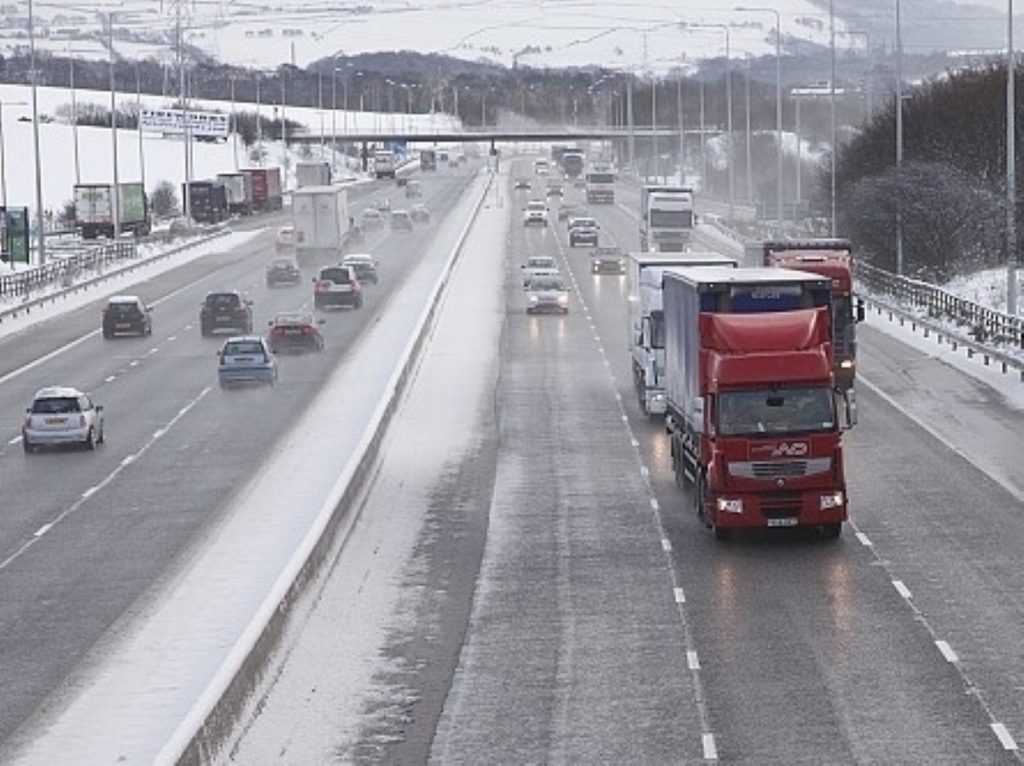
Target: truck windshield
<point x="776" y="411"/>
<point x="600" y="178"/>
<point x="672" y="219"/>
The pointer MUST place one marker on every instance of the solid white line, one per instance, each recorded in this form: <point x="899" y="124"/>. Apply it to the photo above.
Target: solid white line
<point x="654" y="503"/>
<point x="692" y="661"/>
<point x="1005" y="738"/>
<point x="129" y="460"/>
<point x="47" y="357"/>
<point x="43" y="529"/>
<point x="902" y="589"/>
<point x="941" y="439"/>
<point x="710" y="751"/>
<point x="110" y="379"/>
<point x="625" y="419"/>
<point x="89" y="492"/>
<point x="947" y="651"/>
<point x="160" y="431"/>
<point x="864" y="540"/>
<point x="680" y="596"/>
<point x="666" y="544"/>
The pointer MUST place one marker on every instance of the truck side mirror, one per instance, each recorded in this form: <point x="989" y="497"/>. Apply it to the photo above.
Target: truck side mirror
<point x="860" y="310"/>
<point x="850" y="405"/>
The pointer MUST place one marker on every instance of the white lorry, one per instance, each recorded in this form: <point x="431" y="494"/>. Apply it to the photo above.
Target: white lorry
<point x="600" y="181"/>
<point x="321" y="221"/>
<point x="384" y="164"/>
<point x="646" y="321"/>
<point x="666" y="218"/>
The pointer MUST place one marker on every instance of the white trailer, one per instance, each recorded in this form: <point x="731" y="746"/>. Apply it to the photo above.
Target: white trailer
<point x="238" y="187"/>
<point x="312" y="174"/>
<point x="646" y="320"/>
<point x="321" y="221"/>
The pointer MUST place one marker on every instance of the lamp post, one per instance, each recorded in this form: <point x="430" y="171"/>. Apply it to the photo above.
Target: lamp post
<point x="1011" y="175"/>
<point x="259" y="124"/>
<point x="899" y="140"/>
<point x="3" y="172"/>
<point x="40" y="235"/>
<point x="832" y="111"/>
<point x="778" y="103"/>
<point x="728" y="111"/>
<point x="138" y="109"/>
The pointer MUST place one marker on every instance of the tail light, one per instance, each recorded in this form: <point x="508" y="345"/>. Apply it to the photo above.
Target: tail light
<point x="277" y="331"/>
<point x="307" y="330"/>
<point x="321" y="286"/>
<point x="353" y="284"/>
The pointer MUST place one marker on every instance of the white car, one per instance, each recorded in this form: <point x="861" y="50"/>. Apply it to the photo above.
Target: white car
<point x="539" y="266"/>
<point x="535" y="212"/>
<point x="547" y="294"/>
<point x="61" y="415"/>
<point x="285" y="239"/>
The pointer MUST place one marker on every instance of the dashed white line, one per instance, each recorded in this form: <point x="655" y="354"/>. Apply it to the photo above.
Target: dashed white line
<point x="902" y="589"/>
<point x="159" y="432"/>
<point x="1005" y="738"/>
<point x="666" y="545"/>
<point x="43" y="529"/>
<point x="645" y="471"/>
<point x="625" y="418"/>
<point x="110" y="379"/>
<point x="654" y="503"/>
<point x="133" y="363"/>
<point x="863" y="538"/>
<point x="634" y="442"/>
<point x="710" y="751"/>
<point x="947" y="651"/>
<point x="172" y="338"/>
<point x="618" y="396"/>
<point x="692" y="660"/>
<point x="679" y="595"/>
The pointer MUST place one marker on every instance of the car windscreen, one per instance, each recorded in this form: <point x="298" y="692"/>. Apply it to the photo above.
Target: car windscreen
<point x="337" y="275"/>
<point x="55" y="406"/>
<point x="222" y="301"/>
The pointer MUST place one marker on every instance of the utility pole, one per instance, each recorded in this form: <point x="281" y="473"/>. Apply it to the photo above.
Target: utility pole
<point x="899" y="142"/>
<point x="631" y="143"/>
<point x="682" y="131"/>
<point x="186" y="202"/>
<point x="40" y="234"/>
<point x="750" y="172"/>
<point x="138" y="108"/>
<point x="116" y="202"/>
<point x="74" y="119"/>
<point x="1011" y="172"/>
<point x="234" y="125"/>
<point x="832" y="110"/>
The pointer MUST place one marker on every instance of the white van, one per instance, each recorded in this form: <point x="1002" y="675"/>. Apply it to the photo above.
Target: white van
<point x="384" y="164"/>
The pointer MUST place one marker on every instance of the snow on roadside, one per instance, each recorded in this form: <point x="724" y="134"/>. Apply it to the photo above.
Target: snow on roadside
<point x="987" y="287"/>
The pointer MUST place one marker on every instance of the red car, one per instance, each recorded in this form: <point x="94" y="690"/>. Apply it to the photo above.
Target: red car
<point x="294" y="331"/>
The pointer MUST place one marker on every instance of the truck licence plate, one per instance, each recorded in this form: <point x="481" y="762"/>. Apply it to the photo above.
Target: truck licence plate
<point x="786" y="521"/>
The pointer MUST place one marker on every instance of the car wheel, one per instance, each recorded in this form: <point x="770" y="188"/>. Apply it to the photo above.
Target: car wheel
<point x="204" y="331"/>
<point x="107" y="335"/>
<point x="103" y="435"/>
<point x="90" y="440"/>
<point x="359" y="302"/>
<point x="27" y="446"/>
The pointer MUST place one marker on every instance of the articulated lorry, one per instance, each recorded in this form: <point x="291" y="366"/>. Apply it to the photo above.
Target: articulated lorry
<point x="666" y="218"/>
<point x="266" y="188"/>
<point x="238" y="187"/>
<point x="752" y="412"/>
<point x="832" y="258"/>
<point x="600" y="180"/>
<point x="94" y="210"/>
<point x="321" y="221"/>
<point x="647" y="321"/>
<point x="208" y="201"/>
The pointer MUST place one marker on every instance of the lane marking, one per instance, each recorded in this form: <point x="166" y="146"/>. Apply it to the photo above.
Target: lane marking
<point x="110" y="379"/>
<point x="645" y="471"/>
<point x="654" y="503"/>
<point x="692" y="660"/>
<point x="128" y="460"/>
<point x="947" y="651"/>
<point x="15" y="440"/>
<point x="680" y="596"/>
<point x="708" y="743"/>
<point x="1005" y="738"/>
<point x="864" y="539"/>
<point x="902" y="589"/>
<point x="666" y="545"/>
<point x="90" y="492"/>
<point x="133" y="363"/>
<point x="634" y="442"/>
<point x="43" y="529"/>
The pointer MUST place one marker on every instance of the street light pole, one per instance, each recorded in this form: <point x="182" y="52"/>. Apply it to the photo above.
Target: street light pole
<point x="1011" y="174"/>
<point x="746" y="99"/>
<point x="138" y="108"/>
<point x="832" y="110"/>
<point x="40" y="234"/>
<point x="74" y="119"/>
<point x="115" y="205"/>
<point x="728" y="112"/>
<point x="899" y="141"/>
<point x="682" y="131"/>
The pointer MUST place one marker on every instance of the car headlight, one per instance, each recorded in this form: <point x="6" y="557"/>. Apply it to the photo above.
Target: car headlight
<point x="830" y="501"/>
<point x="730" y="505"/>
<point x="533" y="299"/>
<point x="563" y="298"/>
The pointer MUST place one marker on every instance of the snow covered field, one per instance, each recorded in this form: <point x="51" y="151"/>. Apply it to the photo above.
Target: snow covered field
<point x="616" y="33"/>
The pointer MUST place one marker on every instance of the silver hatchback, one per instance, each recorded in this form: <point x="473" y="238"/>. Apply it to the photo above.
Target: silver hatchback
<point x="61" y="415"/>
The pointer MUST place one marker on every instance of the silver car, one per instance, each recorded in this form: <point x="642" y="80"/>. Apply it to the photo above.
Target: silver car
<point x="546" y="295"/>
<point x="61" y="415"/>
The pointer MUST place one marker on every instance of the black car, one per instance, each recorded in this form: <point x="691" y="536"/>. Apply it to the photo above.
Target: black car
<point x="126" y="315"/>
<point x="226" y="310"/>
<point x="420" y="214"/>
<point x="283" y="271"/>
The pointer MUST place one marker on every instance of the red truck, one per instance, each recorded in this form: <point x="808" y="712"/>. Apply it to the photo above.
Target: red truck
<point x="754" y="419"/>
<point x="832" y="258"/>
<point x="266" y="188"/>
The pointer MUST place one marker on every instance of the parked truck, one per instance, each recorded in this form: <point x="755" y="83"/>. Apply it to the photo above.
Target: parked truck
<point x="644" y="273"/>
<point x="312" y="174"/>
<point x="751" y="409"/>
<point x="208" y="201"/>
<point x="428" y="159"/>
<point x="600" y="180"/>
<point x="238" y="187"/>
<point x="832" y="258"/>
<point x="666" y="218"/>
<point x="321" y="222"/>
<point x="266" y="188"/>
<point x="94" y="210"/>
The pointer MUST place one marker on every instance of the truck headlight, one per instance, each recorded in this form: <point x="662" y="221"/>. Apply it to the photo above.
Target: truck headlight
<point x="563" y="298"/>
<point x="830" y="501"/>
<point x="730" y="505"/>
<point x="846" y="364"/>
<point x="658" y="397"/>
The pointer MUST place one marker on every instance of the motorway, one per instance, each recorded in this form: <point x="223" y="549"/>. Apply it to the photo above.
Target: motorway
<point x="525" y="582"/>
<point x="85" y="536"/>
<point x="558" y="601"/>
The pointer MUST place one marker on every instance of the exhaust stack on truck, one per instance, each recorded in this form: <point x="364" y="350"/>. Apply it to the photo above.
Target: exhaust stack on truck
<point x="751" y="407"/>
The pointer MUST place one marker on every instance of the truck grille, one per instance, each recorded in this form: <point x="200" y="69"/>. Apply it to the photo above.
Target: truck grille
<point x="780" y="505"/>
<point x="779" y="469"/>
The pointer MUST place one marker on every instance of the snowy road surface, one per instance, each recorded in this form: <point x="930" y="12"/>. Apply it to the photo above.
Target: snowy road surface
<point x="559" y="602"/>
